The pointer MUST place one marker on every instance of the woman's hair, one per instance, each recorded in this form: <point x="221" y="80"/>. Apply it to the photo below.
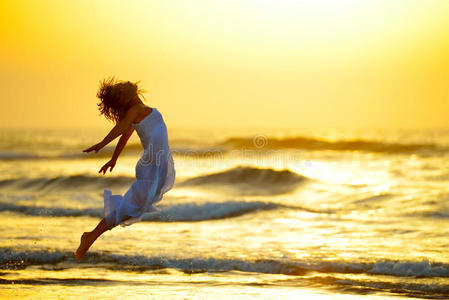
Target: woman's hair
<point x="115" y="97"/>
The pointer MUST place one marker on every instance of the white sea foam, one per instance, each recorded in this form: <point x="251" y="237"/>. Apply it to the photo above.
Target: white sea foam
<point x="167" y="213"/>
<point x="12" y="259"/>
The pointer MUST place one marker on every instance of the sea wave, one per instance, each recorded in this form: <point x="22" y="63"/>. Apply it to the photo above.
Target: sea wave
<point x="250" y="181"/>
<point x="66" y="155"/>
<point x="130" y="150"/>
<point x="431" y="214"/>
<point x="307" y="143"/>
<point x="188" y="212"/>
<point x="66" y="182"/>
<point x="11" y="155"/>
<point x="13" y="259"/>
<point x="244" y="180"/>
<point x="208" y="150"/>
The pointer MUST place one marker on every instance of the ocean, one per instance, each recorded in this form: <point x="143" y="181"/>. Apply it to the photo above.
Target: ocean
<point x="360" y="214"/>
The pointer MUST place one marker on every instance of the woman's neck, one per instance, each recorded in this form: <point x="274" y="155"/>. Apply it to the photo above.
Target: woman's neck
<point x="136" y="100"/>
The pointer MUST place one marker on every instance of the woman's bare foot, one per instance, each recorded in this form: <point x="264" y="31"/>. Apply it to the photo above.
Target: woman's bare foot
<point x="87" y="239"/>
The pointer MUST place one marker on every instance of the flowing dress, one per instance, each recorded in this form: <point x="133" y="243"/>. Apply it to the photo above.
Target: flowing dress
<point x="155" y="175"/>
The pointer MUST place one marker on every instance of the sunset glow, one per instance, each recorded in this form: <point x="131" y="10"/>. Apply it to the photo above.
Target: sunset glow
<point x="228" y="64"/>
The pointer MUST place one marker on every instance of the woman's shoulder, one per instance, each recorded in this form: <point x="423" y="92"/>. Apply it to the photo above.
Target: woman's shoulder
<point x="140" y="109"/>
<point x="139" y="112"/>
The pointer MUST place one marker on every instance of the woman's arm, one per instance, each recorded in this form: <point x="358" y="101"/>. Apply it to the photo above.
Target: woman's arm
<point x="118" y="149"/>
<point x="122" y="142"/>
<point x="121" y="126"/>
<point x="118" y="129"/>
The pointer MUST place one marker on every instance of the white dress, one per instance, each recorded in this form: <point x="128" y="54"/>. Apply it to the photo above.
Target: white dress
<point x="155" y="175"/>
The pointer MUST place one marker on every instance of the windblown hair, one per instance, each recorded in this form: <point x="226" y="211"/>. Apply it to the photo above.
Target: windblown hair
<point x="115" y="97"/>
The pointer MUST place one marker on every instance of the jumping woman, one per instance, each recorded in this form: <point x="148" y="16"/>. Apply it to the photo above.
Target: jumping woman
<point x="155" y="172"/>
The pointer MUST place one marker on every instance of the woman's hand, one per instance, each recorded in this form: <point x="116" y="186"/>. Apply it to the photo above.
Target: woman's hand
<point x="109" y="164"/>
<point x="95" y="147"/>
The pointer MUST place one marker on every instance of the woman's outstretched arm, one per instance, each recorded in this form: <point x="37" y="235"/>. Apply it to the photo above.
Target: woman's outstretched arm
<point x="118" y="129"/>
<point x="122" y="142"/>
<point x="118" y="149"/>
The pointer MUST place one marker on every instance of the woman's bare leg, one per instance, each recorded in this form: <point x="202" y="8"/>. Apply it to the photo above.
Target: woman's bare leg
<point x="88" y="238"/>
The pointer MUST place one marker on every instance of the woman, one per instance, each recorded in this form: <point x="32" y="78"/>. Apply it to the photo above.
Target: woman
<point x="155" y="172"/>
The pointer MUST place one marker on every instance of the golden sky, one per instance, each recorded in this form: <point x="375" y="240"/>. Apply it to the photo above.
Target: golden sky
<point x="233" y="63"/>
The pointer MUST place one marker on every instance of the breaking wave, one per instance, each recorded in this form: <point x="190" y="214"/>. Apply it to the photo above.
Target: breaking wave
<point x="250" y="180"/>
<point x="188" y="212"/>
<point x="245" y="180"/>
<point x="12" y="259"/>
